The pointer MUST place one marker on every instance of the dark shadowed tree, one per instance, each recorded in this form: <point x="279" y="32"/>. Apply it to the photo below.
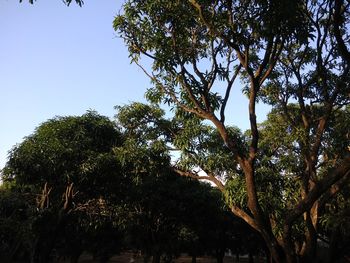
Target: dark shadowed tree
<point x="15" y="219"/>
<point x="68" y="167"/>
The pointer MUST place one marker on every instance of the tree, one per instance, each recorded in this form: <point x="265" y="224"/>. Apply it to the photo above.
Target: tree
<point x="293" y="55"/>
<point x="66" y="150"/>
<point x="155" y="206"/>
<point x="335" y="225"/>
<point x="71" y="162"/>
<point x="167" y="214"/>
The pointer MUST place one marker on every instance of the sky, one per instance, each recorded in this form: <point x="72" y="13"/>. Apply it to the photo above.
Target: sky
<point x="57" y="61"/>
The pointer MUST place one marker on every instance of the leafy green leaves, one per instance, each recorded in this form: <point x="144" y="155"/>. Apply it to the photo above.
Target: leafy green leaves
<point x="65" y="150"/>
<point x="67" y="2"/>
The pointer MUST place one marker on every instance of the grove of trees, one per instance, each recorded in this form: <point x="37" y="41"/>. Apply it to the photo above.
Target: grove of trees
<point x="287" y="177"/>
<point x="86" y="184"/>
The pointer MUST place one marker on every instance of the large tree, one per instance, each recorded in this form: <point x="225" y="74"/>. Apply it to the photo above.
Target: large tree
<point x="293" y="55"/>
<point x="68" y="174"/>
<point x="65" y="150"/>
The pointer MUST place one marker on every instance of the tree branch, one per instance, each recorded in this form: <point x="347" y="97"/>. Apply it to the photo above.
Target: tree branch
<point x="336" y="174"/>
<point x="196" y="176"/>
<point x="227" y="93"/>
<point x="338" y="16"/>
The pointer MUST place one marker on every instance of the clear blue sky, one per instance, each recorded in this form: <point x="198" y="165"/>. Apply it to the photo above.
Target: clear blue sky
<point x="59" y="60"/>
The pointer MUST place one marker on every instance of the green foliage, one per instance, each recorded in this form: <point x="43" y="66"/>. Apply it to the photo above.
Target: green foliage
<point x="128" y="193"/>
<point x="337" y="215"/>
<point x="193" y="49"/>
<point x="67" y="2"/>
<point x="15" y="215"/>
<point x="292" y="55"/>
<point x="142" y="122"/>
<point x="63" y="151"/>
<point x="202" y="147"/>
<point x="165" y="213"/>
<point x="281" y="175"/>
<point x="170" y="214"/>
<point x="66" y="150"/>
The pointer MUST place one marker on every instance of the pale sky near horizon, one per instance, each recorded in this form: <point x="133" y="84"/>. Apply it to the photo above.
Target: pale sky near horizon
<point x="59" y="60"/>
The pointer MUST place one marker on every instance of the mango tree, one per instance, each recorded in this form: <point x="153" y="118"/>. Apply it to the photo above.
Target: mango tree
<point x="68" y="169"/>
<point x="292" y="55"/>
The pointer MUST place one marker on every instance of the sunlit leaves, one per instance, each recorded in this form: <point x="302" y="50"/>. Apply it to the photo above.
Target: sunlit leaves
<point x="194" y="45"/>
<point x="141" y="121"/>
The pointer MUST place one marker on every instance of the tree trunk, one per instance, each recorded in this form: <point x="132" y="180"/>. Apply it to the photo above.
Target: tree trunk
<point x="194" y="259"/>
<point x="43" y="247"/>
<point x="42" y="254"/>
<point x="277" y="253"/>
<point x="219" y="258"/>
<point x="268" y="256"/>
<point x="333" y="245"/>
<point x="75" y="255"/>
<point x="156" y="257"/>
<point x="74" y="258"/>
<point x="146" y="258"/>
<point x="220" y="254"/>
<point x="11" y="256"/>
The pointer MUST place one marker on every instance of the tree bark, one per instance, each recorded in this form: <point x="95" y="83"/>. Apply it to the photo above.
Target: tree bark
<point x="156" y="257"/>
<point x="75" y="256"/>
<point x="220" y="254"/>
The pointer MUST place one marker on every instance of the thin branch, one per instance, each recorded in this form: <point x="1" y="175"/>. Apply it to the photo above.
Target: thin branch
<point x="212" y="29"/>
<point x="170" y="93"/>
<point x="338" y="16"/>
<point x="214" y="68"/>
<point x="183" y="81"/>
<point x="196" y="176"/>
<point x="275" y="55"/>
<point x="227" y="93"/>
<point x="266" y="59"/>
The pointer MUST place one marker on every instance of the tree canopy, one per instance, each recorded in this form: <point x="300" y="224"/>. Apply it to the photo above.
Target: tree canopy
<point x="62" y="170"/>
<point x="65" y="150"/>
<point x="85" y="183"/>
